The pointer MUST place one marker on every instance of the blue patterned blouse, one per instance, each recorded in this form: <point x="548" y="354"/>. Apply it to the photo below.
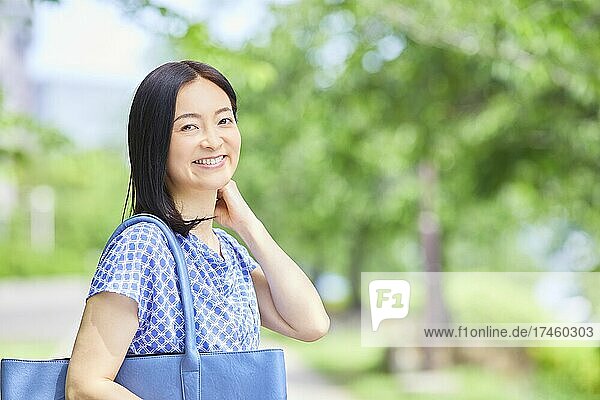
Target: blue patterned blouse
<point x="137" y="263"/>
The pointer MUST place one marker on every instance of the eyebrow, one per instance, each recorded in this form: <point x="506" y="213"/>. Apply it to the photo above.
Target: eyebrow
<point x="195" y="115"/>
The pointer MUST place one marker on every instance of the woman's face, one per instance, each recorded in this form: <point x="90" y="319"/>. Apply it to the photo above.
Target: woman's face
<point x="205" y="141"/>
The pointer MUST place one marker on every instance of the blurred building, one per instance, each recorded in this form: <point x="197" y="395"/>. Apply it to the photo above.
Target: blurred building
<point x="15" y="89"/>
<point x="15" y="38"/>
<point x="70" y="65"/>
<point x="91" y="111"/>
<point x="73" y="65"/>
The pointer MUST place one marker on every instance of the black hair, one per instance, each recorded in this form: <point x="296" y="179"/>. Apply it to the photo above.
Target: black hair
<point x="149" y="136"/>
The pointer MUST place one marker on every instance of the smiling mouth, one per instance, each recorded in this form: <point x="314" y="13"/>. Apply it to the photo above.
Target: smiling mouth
<point x="210" y="161"/>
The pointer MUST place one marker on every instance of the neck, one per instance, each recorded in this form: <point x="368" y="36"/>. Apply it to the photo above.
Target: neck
<point x="198" y="204"/>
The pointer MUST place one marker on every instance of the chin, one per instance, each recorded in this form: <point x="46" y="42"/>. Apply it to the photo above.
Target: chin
<point x="214" y="184"/>
<point x="211" y="180"/>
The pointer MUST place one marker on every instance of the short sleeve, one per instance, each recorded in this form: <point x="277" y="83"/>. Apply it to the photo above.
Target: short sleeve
<point x="126" y="265"/>
<point x="248" y="263"/>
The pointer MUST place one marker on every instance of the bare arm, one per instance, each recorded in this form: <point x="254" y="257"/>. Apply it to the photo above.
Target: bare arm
<point x="288" y="301"/>
<point x="107" y="327"/>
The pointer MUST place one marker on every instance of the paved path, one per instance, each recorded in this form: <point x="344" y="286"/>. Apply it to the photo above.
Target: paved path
<point x="304" y="383"/>
<point x="50" y="309"/>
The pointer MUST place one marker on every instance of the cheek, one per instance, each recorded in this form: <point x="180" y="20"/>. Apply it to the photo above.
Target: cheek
<point x="236" y="143"/>
<point x="174" y="154"/>
<point x="170" y="168"/>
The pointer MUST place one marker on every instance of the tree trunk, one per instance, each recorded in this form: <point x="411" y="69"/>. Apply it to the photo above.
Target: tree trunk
<point x="431" y="247"/>
<point x="357" y="255"/>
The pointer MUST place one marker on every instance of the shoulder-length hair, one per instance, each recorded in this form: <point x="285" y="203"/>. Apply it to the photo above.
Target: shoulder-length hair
<point x="149" y="136"/>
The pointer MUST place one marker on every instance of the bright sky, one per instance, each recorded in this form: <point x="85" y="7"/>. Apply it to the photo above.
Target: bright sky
<point x="93" y="38"/>
<point x="84" y="38"/>
<point x="89" y="55"/>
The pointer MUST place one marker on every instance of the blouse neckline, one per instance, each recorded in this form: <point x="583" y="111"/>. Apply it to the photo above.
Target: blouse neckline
<point x="206" y="248"/>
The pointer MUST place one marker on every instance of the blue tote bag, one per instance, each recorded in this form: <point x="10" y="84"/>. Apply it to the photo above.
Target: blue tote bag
<point x="250" y="375"/>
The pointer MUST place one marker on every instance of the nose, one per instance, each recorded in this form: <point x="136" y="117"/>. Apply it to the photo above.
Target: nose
<point x="211" y="139"/>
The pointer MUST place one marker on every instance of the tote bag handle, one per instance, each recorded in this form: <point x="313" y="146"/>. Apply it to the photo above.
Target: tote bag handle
<point x="190" y="363"/>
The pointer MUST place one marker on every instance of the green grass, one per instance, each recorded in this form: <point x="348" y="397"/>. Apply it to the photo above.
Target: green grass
<point x="467" y="383"/>
<point x="338" y="354"/>
<point x="28" y="350"/>
<point x="341" y="358"/>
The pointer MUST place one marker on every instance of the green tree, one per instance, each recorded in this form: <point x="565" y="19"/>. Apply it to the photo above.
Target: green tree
<point x="377" y="125"/>
<point x="346" y="101"/>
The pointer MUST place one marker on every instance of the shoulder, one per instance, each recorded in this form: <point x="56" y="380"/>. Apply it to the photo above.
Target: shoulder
<point x="144" y="236"/>
<point x="130" y="262"/>
<point x="240" y="251"/>
<point x="224" y="234"/>
<point x="142" y="232"/>
<point x="233" y="242"/>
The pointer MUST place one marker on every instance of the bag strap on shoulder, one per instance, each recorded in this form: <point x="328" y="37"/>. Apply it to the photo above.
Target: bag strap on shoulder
<point x="190" y="364"/>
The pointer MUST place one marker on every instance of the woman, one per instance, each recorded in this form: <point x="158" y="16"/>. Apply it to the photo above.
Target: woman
<point x="184" y="146"/>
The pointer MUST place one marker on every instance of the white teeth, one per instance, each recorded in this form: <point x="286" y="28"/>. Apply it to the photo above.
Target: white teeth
<point x="209" y="161"/>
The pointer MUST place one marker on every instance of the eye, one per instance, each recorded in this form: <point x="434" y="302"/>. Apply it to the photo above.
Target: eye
<point x="184" y="128"/>
<point x="226" y="120"/>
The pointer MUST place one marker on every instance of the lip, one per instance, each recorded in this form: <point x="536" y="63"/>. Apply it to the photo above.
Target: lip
<point x="212" y="166"/>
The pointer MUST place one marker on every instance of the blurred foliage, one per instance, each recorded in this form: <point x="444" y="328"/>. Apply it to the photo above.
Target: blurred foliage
<point x="90" y="190"/>
<point x="360" y="372"/>
<point x="578" y="368"/>
<point x="342" y="102"/>
<point x="23" y="137"/>
<point x="339" y="105"/>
